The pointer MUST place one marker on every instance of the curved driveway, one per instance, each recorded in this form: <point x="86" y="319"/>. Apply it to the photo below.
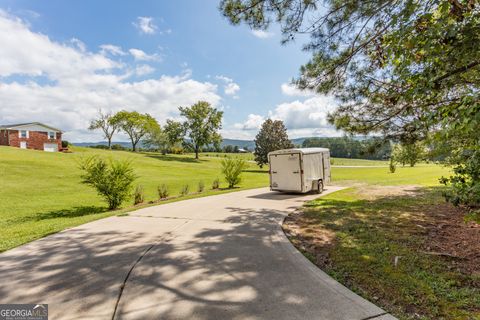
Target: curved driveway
<point x="218" y="257"/>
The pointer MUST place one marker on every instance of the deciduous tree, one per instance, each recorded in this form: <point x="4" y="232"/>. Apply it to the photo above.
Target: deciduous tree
<point x="156" y="139"/>
<point x="174" y="133"/>
<point x="410" y="153"/>
<point x="136" y="125"/>
<point x="107" y="123"/>
<point x="201" y="125"/>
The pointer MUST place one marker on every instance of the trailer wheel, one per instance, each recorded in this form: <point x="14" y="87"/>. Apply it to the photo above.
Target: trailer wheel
<point x="319" y="186"/>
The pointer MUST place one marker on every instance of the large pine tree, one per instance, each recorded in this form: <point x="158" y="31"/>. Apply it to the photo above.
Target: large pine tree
<point x="272" y="136"/>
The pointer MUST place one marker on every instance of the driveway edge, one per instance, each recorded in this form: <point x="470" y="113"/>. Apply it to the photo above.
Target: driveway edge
<point x="375" y="311"/>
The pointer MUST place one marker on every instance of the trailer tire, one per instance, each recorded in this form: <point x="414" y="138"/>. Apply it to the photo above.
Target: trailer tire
<point x="319" y="186"/>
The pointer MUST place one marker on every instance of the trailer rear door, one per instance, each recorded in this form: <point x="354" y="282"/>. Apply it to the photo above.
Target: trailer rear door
<point x="285" y="172"/>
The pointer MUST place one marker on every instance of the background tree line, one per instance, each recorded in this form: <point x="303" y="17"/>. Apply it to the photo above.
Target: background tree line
<point x="346" y="147"/>
<point x="198" y="129"/>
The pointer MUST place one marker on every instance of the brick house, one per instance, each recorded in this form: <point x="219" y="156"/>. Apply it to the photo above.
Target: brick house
<point x="34" y="135"/>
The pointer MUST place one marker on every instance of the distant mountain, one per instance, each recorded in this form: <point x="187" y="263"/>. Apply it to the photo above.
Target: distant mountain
<point x="102" y="143"/>
<point x="239" y="143"/>
<point x="250" y="144"/>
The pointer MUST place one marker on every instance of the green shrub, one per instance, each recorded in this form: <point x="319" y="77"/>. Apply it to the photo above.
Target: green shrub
<point x="464" y="183"/>
<point x="232" y="170"/>
<point x="112" y="179"/>
<point x="176" y="150"/>
<point x="392" y="165"/>
<point x="118" y="147"/>
<point x="216" y="184"/>
<point x="65" y="144"/>
<point x="201" y="186"/>
<point x="163" y="191"/>
<point x="139" y="195"/>
<point x="185" y="190"/>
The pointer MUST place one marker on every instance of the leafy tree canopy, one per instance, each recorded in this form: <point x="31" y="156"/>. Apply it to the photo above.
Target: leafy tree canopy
<point x="409" y="153"/>
<point x="156" y="139"/>
<point x="347" y="147"/>
<point x="136" y="125"/>
<point x="202" y="123"/>
<point x="174" y="132"/>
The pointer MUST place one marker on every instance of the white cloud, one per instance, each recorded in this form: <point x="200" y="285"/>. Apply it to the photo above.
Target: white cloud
<point x="111" y="49"/>
<point x="80" y="83"/>
<point x="308" y="114"/>
<point x="143" y="70"/>
<point x="238" y="134"/>
<point x="145" y="25"/>
<point x="302" y="118"/>
<point x="79" y="44"/>
<point x="292" y="90"/>
<point x="167" y="31"/>
<point x="230" y="88"/>
<point x="262" y="34"/>
<point x="34" y="54"/>
<point x="140" y="55"/>
<point x="253" y="122"/>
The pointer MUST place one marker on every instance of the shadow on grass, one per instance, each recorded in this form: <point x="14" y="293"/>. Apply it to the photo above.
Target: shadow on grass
<point x="74" y="212"/>
<point x="70" y="213"/>
<point x="376" y="244"/>
<point x="256" y="171"/>
<point x="173" y="158"/>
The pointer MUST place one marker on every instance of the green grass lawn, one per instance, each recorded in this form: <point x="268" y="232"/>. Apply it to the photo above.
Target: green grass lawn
<point x="355" y="234"/>
<point x="42" y="192"/>
<point x="423" y="174"/>
<point x="357" y="162"/>
<point x="246" y="156"/>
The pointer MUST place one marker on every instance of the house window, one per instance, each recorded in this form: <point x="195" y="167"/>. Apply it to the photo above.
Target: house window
<point x="23" y="134"/>
<point x="51" y="135"/>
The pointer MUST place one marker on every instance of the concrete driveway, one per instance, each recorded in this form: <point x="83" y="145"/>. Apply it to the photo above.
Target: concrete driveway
<point x="218" y="257"/>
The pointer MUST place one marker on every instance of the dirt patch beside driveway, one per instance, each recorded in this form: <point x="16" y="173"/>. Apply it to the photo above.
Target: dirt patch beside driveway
<point x="402" y="247"/>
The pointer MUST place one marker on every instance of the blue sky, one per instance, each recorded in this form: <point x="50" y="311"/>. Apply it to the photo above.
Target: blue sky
<point x="63" y="60"/>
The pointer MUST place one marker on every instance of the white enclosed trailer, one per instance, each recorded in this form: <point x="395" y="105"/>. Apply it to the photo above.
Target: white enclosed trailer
<point x="299" y="170"/>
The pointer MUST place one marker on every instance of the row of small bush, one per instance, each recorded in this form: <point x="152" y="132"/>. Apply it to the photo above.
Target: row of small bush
<point x="164" y="193"/>
<point x="113" y="180"/>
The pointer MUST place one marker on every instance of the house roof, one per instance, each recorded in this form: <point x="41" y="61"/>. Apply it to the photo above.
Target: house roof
<point x="19" y="125"/>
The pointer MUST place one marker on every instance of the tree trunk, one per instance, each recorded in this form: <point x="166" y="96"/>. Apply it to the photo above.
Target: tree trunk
<point x="110" y="143"/>
<point x="134" y="146"/>
<point x="196" y="151"/>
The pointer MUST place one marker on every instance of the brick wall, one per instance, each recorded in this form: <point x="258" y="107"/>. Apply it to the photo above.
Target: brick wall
<point x="35" y="140"/>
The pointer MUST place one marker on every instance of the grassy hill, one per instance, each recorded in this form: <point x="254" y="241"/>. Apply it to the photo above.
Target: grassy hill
<point x="42" y="193"/>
